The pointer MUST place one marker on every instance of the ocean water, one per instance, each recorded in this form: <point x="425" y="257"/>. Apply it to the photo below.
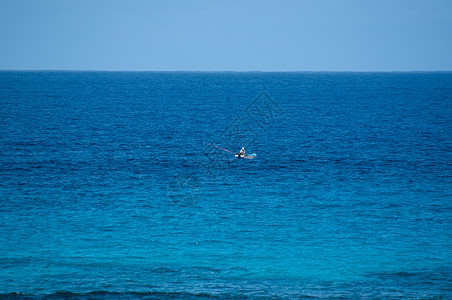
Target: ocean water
<point x="110" y="187"/>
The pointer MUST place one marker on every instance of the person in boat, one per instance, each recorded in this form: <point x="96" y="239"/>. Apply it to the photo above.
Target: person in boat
<point x="242" y="152"/>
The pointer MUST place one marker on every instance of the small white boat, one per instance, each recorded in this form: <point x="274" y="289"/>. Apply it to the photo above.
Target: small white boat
<point x="246" y="156"/>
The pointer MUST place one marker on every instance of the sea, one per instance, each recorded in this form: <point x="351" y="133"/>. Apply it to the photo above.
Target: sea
<point x="124" y="185"/>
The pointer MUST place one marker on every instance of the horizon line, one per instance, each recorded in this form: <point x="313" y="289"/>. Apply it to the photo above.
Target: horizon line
<point x="226" y="71"/>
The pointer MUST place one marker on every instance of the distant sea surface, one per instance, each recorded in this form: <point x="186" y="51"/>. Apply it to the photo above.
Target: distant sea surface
<point x="110" y="186"/>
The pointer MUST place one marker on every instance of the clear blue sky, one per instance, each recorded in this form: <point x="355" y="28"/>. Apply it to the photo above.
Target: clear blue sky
<point x="214" y="35"/>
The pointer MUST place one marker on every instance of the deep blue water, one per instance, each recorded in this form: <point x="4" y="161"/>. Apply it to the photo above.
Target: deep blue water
<point x="109" y="187"/>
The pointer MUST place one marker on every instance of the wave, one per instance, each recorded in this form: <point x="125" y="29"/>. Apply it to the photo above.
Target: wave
<point x="117" y="295"/>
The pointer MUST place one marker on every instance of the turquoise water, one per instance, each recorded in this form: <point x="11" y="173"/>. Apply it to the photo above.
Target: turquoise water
<point x="109" y="187"/>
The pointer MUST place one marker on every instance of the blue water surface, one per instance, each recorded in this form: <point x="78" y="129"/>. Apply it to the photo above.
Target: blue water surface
<point x="110" y="187"/>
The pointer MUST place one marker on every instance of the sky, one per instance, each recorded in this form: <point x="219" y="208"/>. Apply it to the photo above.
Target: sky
<point x="229" y="35"/>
